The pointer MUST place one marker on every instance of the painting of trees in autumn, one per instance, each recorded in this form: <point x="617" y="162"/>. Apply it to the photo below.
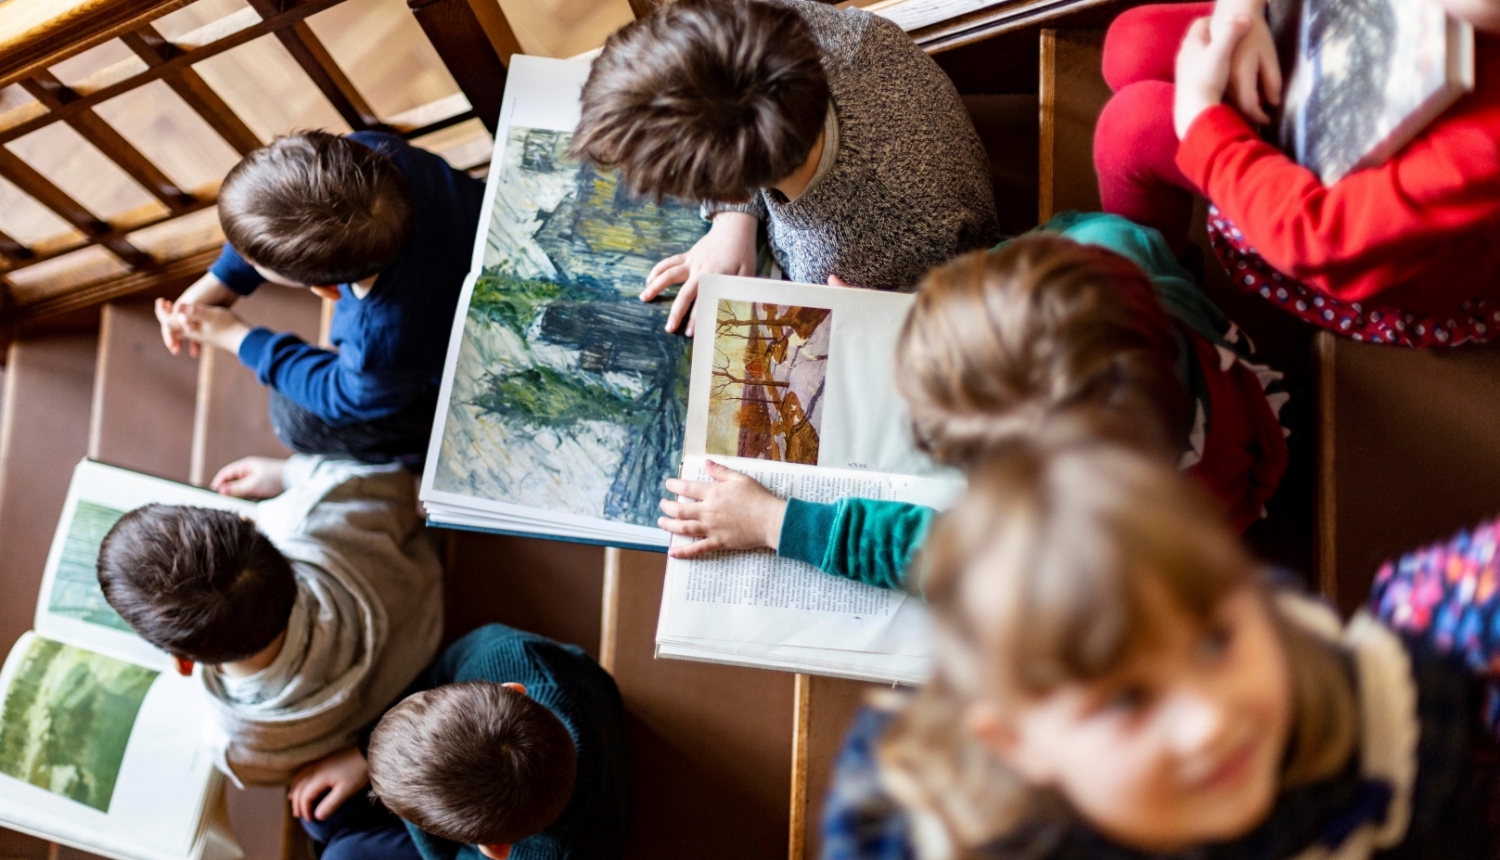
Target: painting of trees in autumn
<point x="766" y="399"/>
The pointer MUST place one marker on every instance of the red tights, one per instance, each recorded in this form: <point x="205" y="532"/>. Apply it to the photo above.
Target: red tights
<point x="1135" y="144"/>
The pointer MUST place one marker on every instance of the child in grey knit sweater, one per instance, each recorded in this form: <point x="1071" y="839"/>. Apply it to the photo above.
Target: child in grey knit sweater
<point x="828" y="124"/>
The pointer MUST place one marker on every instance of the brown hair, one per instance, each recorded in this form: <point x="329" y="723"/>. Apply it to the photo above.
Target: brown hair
<point x="1035" y="579"/>
<point x="1001" y="341"/>
<point x="317" y="208"/>
<point x="196" y="582"/>
<point x="705" y="99"/>
<point x="475" y="762"/>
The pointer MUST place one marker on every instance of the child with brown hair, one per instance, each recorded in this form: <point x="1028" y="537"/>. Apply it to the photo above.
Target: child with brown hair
<point x="1090" y="313"/>
<point x="1402" y="252"/>
<point x="1115" y="681"/>
<point x="384" y="229"/>
<point x="827" y="124"/>
<point x="509" y="745"/>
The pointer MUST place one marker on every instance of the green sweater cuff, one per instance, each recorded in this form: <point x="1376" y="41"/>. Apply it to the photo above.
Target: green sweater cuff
<point x="805" y="531"/>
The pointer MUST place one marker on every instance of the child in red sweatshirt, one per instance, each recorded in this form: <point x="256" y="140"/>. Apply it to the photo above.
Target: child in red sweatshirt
<point x="1407" y="252"/>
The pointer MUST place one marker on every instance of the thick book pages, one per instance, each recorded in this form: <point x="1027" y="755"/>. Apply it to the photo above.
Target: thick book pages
<point x="1364" y="77"/>
<point x="100" y="738"/>
<point x="794" y="385"/>
<point x="562" y="400"/>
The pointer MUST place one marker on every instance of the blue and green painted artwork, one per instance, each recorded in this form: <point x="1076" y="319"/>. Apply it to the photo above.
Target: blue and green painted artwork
<point x="76" y="593"/>
<point x="569" y="395"/>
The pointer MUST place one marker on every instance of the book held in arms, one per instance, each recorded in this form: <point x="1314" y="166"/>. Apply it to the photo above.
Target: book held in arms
<point x="1364" y="77"/>
<point x="562" y="401"/>
<point x="100" y="738"/>
<point x="794" y="384"/>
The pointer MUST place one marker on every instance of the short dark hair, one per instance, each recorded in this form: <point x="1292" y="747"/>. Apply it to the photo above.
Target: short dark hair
<point x="474" y="762"/>
<point x="705" y="99"/>
<point x="317" y="208"/>
<point x="196" y="582"/>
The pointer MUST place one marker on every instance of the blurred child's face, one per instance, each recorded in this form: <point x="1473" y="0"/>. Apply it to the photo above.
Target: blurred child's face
<point x="1180" y="746"/>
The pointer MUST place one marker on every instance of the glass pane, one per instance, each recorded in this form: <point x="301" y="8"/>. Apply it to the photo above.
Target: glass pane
<point x="97" y="58"/>
<point x="465" y="145"/>
<point x="177" y="24"/>
<point x="171" y="240"/>
<point x="383" y="50"/>
<point x="263" y="84"/>
<point x="74" y="165"/>
<point x="161" y="125"/>
<point x="25" y="220"/>
<point x="59" y="274"/>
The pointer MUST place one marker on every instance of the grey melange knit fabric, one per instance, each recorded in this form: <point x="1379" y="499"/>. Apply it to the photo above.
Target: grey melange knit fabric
<point x="910" y="185"/>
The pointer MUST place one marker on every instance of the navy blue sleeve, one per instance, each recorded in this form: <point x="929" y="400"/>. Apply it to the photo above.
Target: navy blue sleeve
<point x="315" y="379"/>
<point x="861" y="821"/>
<point x="234" y="272"/>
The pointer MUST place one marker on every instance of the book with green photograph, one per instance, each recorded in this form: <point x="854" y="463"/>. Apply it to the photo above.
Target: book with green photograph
<point x="100" y="738"/>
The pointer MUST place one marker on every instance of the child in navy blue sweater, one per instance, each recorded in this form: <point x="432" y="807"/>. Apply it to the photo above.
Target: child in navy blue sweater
<point x="381" y="227"/>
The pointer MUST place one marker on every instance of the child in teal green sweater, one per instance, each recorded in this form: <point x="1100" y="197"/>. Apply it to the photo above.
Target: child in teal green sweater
<point x="1089" y="313"/>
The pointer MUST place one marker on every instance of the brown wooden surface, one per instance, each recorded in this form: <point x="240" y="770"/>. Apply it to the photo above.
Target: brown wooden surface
<point x="18" y="846"/>
<point x="711" y="746"/>
<point x="38" y="33"/>
<point x="831" y="703"/>
<point x="476" y="43"/>
<point x="547" y="587"/>
<point x="142" y="416"/>
<point x="1072" y="95"/>
<point x="170" y="277"/>
<point x="231" y="420"/>
<point x="1415" y="436"/>
<point x="1008" y="128"/>
<point x="154" y="50"/>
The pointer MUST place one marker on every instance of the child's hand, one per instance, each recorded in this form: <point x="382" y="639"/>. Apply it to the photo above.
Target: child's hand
<point x="342" y="775"/>
<point x="727" y="249"/>
<point x="171" y="329"/>
<point x="1203" y="66"/>
<point x="250" y="478"/>
<point x="732" y="512"/>
<point x="1255" y="73"/>
<point x="210" y="324"/>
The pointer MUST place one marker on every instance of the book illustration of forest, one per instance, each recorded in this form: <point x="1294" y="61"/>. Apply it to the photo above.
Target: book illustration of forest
<point x="568" y="394"/>
<point x="766" y="398"/>
<point x="1358" y="69"/>
<point x="67" y="720"/>
<point x="75" y="592"/>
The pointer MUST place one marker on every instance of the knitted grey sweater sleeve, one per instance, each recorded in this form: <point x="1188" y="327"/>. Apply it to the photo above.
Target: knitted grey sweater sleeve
<point x="910" y="184"/>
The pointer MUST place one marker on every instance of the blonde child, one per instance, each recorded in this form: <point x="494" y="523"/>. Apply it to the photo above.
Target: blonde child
<point x="1116" y="681"/>
<point x="1091" y="311"/>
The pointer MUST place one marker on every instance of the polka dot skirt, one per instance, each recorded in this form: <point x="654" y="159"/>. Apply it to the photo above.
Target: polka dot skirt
<point x="1472" y="322"/>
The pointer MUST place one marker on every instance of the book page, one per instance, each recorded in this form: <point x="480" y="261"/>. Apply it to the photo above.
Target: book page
<point x="101" y="753"/>
<point x="759" y="597"/>
<point x="71" y="607"/>
<point x="799" y="373"/>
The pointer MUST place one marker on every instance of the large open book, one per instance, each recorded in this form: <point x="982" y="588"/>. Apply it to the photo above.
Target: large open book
<point x="794" y="384"/>
<point x="562" y="400"/>
<point x="1365" y="76"/>
<point x="100" y="738"/>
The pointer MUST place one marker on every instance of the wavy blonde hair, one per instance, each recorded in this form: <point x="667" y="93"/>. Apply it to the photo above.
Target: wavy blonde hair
<point x="1001" y="342"/>
<point x="1035" y="580"/>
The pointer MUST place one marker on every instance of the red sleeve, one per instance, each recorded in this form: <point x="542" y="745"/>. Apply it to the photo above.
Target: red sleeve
<point x="1441" y="184"/>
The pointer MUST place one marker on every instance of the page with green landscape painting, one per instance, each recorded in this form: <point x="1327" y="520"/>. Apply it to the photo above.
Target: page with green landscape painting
<point x="563" y="398"/>
<point x="70" y="607"/>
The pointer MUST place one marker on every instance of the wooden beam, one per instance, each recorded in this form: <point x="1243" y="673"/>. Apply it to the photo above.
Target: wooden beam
<point x="475" y="42"/>
<point x="14" y="250"/>
<point x="1324" y="361"/>
<point x="642" y="8"/>
<point x="38" y="186"/>
<point x="178" y="270"/>
<point x="35" y="34"/>
<point x="53" y="93"/>
<point x="151" y="47"/>
<point x="91" y="96"/>
<point x="942" y="25"/>
<point x="609" y="614"/>
<point x="50" y="249"/>
<point x="801" y="696"/>
<point x="307" y="49"/>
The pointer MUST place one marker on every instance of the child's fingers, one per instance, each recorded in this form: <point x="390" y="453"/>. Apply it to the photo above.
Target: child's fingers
<point x="721" y="472"/>
<point x="686" y="528"/>
<point x="680" y="511"/>
<point x="337" y="794"/>
<point x="1247" y="86"/>
<point x="689" y="491"/>
<point x="694" y="549"/>
<point x="1270" y="81"/>
<point x="683" y="303"/>
<point x="670" y="262"/>
<point x="659" y="282"/>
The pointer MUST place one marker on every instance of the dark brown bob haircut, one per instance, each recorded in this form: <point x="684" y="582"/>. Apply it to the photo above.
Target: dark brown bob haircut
<point x="197" y="583"/>
<point x="476" y="763"/>
<point x="317" y="208"/>
<point x="705" y="100"/>
<point x="1001" y="342"/>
